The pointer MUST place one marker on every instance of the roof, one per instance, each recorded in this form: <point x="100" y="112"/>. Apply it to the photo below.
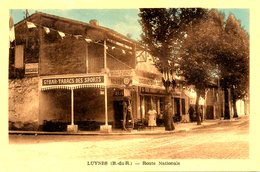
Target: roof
<point x="111" y="33"/>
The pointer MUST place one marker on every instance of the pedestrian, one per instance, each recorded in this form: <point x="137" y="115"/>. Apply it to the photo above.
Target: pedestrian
<point x="152" y="117"/>
<point x="125" y="109"/>
<point x="201" y="113"/>
<point x="191" y="112"/>
<point x="129" y="112"/>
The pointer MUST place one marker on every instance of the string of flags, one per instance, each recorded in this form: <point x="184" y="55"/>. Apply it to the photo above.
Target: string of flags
<point x="62" y="35"/>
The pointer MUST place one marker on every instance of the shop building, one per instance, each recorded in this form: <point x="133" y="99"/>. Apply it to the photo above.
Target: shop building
<point x="70" y="75"/>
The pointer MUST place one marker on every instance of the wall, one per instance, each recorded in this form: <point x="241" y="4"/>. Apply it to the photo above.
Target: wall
<point x="62" y="56"/>
<point x="23" y="104"/>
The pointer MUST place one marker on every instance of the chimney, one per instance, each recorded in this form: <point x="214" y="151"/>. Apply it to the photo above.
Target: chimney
<point x="94" y="22"/>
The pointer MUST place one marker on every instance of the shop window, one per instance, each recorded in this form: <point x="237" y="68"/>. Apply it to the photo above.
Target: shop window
<point x="32" y="50"/>
<point x="18" y="68"/>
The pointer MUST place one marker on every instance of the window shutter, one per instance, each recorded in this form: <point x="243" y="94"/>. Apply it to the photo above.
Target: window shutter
<point x="19" y="56"/>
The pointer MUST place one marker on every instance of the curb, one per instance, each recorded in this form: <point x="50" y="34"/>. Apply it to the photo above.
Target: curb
<point x="135" y="132"/>
<point x="98" y="133"/>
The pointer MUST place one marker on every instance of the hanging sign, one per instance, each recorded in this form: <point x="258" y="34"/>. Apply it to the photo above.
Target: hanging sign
<point x="31" y="68"/>
<point x="127" y="81"/>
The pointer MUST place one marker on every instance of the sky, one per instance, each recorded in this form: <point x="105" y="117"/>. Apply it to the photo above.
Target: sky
<point x="124" y="21"/>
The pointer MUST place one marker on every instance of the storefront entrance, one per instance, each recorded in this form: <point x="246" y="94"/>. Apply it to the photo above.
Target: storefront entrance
<point x="118" y="113"/>
<point x="177" y="112"/>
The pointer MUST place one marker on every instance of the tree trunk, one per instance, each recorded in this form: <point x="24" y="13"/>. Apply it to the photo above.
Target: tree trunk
<point x="197" y="108"/>
<point x="168" y="115"/>
<point x="234" y="103"/>
<point x="226" y="108"/>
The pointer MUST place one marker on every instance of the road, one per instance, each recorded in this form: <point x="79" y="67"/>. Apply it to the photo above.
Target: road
<point x="227" y="140"/>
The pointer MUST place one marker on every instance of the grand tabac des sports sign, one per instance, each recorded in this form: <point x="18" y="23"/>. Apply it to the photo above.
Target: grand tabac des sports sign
<point x="73" y="80"/>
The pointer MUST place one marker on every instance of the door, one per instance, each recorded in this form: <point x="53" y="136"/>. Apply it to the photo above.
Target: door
<point x="118" y="113"/>
<point x="177" y="114"/>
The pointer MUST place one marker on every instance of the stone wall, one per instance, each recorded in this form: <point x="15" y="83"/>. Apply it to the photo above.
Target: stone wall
<point x="23" y="104"/>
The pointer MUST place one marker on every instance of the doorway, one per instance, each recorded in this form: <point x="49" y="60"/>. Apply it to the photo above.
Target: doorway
<point x="118" y="113"/>
<point x="177" y="114"/>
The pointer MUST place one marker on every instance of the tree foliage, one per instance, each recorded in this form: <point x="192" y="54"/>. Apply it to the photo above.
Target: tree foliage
<point x="218" y="49"/>
<point x="201" y="46"/>
<point x="196" y="53"/>
<point x="164" y="31"/>
<point x="232" y="57"/>
<point x="164" y="28"/>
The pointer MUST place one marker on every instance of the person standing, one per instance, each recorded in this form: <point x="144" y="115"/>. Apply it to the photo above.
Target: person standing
<point x="125" y="109"/>
<point x="152" y="117"/>
<point x="201" y="113"/>
<point x="129" y="112"/>
<point x="191" y="112"/>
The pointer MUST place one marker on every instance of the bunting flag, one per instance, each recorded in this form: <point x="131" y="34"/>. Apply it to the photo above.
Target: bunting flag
<point x="88" y="40"/>
<point x="30" y="25"/>
<point x="47" y="30"/>
<point x="11" y="29"/>
<point x="61" y="34"/>
<point x="77" y="36"/>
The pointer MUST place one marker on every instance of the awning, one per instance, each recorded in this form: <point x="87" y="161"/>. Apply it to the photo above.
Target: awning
<point x="69" y="82"/>
<point x="69" y="87"/>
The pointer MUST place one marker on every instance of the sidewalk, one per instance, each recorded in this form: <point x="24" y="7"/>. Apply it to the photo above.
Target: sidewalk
<point x="179" y="127"/>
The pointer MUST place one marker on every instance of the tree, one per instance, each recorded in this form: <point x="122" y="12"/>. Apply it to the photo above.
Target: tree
<point x="232" y="56"/>
<point x="163" y="32"/>
<point x="224" y="52"/>
<point x="196" y="55"/>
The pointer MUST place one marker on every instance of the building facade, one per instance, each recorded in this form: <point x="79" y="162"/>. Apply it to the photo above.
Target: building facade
<point x="69" y="75"/>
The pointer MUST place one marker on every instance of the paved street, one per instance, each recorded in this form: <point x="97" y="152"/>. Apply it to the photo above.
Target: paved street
<point x="224" y="140"/>
<point x="220" y="140"/>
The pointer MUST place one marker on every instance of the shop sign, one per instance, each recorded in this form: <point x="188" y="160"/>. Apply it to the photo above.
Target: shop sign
<point x="149" y="82"/>
<point x="120" y="73"/>
<point x="176" y="94"/>
<point x="31" y="68"/>
<point x="117" y="81"/>
<point x="147" y="74"/>
<point x="121" y="81"/>
<point x="151" y="90"/>
<point x="118" y="93"/>
<point x="73" y="80"/>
